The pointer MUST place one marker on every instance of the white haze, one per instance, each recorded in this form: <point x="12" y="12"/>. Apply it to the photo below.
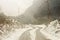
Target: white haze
<point x="10" y="7"/>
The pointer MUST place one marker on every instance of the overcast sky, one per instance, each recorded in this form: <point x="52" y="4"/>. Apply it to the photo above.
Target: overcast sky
<point x="10" y="7"/>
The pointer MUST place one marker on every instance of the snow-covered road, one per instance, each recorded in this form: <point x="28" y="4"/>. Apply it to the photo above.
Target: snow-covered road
<point x="23" y="34"/>
<point x="34" y="32"/>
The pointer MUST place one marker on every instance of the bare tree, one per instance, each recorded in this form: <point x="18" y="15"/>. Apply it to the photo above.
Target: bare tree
<point x="49" y="11"/>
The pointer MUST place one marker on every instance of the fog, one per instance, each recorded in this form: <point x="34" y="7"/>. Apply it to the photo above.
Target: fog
<point x="41" y="11"/>
<point x="11" y="7"/>
<point x="29" y="20"/>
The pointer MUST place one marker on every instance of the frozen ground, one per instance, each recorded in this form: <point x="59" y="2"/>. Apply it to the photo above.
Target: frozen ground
<point x="35" y="32"/>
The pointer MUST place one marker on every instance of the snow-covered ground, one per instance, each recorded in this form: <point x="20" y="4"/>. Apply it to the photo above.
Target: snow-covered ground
<point x="35" y="32"/>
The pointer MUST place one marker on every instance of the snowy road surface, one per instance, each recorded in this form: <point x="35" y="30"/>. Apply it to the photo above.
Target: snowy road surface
<point x="36" y="32"/>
